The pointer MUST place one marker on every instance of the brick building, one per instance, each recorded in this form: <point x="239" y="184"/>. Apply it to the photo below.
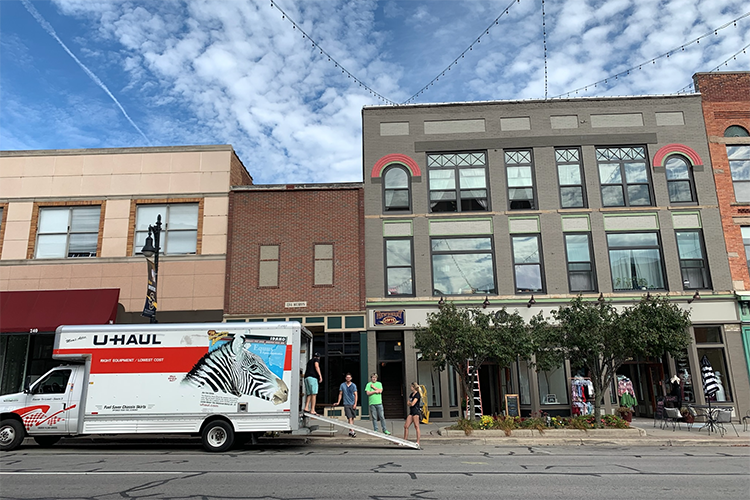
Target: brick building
<point x="526" y="204"/>
<point x="725" y="99"/>
<point x="72" y="224"/>
<point x="295" y="253"/>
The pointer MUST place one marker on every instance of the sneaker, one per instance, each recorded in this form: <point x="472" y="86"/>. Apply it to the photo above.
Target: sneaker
<point x="352" y="434"/>
<point x="386" y="432"/>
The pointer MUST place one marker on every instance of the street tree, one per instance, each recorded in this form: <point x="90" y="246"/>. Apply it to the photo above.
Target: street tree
<point x="464" y="338"/>
<point x="599" y="337"/>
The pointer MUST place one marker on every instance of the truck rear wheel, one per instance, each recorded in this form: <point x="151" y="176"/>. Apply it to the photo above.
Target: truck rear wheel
<point x="217" y="436"/>
<point x="46" y="441"/>
<point x="12" y="433"/>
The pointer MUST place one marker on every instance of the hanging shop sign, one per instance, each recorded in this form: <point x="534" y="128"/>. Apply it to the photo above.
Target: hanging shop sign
<point x="390" y="318"/>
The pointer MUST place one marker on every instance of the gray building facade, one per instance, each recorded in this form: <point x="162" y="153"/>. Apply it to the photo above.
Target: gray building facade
<point x="526" y="204"/>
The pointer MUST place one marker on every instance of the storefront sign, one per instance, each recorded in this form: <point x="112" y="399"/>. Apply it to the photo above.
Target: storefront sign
<point x="149" y="309"/>
<point x="511" y="405"/>
<point x="390" y="318"/>
<point x="295" y="304"/>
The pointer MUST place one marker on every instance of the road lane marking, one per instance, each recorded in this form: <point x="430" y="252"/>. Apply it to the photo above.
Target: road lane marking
<point x="100" y="473"/>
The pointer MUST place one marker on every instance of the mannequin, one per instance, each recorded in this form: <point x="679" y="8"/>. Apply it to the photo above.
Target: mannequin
<point x="720" y="394"/>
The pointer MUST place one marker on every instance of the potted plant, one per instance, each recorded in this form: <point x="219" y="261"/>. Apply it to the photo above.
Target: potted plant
<point x="625" y="412"/>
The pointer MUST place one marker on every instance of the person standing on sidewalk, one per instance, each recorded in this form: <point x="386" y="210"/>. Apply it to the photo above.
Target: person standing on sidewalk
<point x="312" y="378"/>
<point x="348" y="390"/>
<point x="414" y="416"/>
<point x="374" y="391"/>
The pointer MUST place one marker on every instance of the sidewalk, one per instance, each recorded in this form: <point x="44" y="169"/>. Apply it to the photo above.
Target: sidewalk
<point x="642" y="433"/>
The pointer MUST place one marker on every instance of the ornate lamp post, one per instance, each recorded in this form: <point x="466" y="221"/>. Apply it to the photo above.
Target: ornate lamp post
<point x="151" y="249"/>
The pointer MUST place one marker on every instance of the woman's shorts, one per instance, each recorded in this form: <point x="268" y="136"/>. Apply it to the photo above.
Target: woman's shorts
<point x="311" y="386"/>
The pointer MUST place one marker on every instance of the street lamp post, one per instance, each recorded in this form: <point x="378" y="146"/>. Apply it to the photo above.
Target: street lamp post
<point x="151" y="249"/>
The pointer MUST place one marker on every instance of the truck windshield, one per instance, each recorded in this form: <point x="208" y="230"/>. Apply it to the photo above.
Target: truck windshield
<point x="54" y="383"/>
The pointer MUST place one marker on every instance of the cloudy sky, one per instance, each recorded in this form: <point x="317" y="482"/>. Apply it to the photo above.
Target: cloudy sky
<point x="111" y="73"/>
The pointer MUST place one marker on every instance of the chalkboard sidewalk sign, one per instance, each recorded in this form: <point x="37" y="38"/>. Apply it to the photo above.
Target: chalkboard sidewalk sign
<point x="511" y="405"/>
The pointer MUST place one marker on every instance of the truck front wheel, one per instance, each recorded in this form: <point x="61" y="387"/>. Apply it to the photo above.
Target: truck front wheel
<point x="46" y="441"/>
<point x="12" y="433"/>
<point x="217" y="436"/>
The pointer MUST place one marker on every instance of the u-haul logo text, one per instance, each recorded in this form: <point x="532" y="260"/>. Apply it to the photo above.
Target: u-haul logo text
<point x="141" y="339"/>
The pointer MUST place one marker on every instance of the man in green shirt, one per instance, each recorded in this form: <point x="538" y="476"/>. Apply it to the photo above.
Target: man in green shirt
<point x="374" y="391"/>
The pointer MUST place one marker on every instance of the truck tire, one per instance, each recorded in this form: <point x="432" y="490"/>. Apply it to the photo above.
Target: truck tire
<point x="217" y="436"/>
<point x="12" y="433"/>
<point x="46" y="441"/>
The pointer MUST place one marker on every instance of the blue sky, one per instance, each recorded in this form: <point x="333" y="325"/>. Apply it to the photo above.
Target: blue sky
<point x="110" y="73"/>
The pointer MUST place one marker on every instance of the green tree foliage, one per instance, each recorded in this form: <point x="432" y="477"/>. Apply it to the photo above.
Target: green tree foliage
<point x="601" y="338"/>
<point x="463" y="337"/>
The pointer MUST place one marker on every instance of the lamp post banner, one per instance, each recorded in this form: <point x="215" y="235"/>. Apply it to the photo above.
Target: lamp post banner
<point x="149" y="309"/>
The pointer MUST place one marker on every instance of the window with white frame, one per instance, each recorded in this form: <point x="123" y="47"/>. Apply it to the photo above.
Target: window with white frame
<point x="739" y="164"/>
<point x="680" y="181"/>
<point x="635" y="261"/>
<point x="519" y="170"/>
<point x="624" y="178"/>
<point x="693" y="264"/>
<point x="527" y="263"/>
<point x="396" y="193"/>
<point x="462" y="266"/>
<point x="570" y="177"/>
<point x="179" y="234"/>
<point x="458" y="182"/>
<point x="399" y="271"/>
<point x="67" y="232"/>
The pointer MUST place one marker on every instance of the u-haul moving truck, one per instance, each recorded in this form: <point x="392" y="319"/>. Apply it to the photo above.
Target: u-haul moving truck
<point x="213" y="380"/>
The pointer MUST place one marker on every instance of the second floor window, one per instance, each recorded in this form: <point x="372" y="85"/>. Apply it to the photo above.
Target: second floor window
<point x="398" y="267"/>
<point x="570" y="175"/>
<point x="458" y="182"/>
<point x="67" y="232"/>
<point x="692" y="260"/>
<point x="179" y="233"/>
<point x="462" y="266"/>
<point x="635" y="261"/>
<point x="623" y="175"/>
<point x="520" y="174"/>
<point x="581" y="273"/>
<point x="527" y="263"/>
<point x="739" y="164"/>
<point x="396" y="189"/>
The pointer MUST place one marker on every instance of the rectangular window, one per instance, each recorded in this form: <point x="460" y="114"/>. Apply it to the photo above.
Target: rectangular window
<point x="462" y="266"/>
<point x="429" y="377"/>
<point x="581" y="272"/>
<point x="527" y="263"/>
<point x="570" y="177"/>
<point x="553" y="386"/>
<point x="268" y="268"/>
<point x="324" y="264"/>
<point x="179" y="234"/>
<point x="524" y="389"/>
<point x="458" y="182"/>
<point x="716" y="357"/>
<point x="399" y="272"/>
<point x="635" y="261"/>
<point x="452" y="386"/>
<point x="624" y="178"/>
<point x="519" y="170"/>
<point x="746" y="243"/>
<point x="693" y="263"/>
<point x="739" y="164"/>
<point x="67" y="232"/>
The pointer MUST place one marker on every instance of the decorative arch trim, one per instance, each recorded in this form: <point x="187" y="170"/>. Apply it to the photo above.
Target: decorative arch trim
<point x="680" y="149"/>
<point x="404" y="160"/>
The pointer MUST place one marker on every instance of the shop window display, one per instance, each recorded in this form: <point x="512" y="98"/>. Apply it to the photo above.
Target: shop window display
<point x="682" y="365"/>
<point x="553" y="386"/>
<point x="525" y="393"/>
<point x="716" y="358"/>
<point x="429" y="377"/>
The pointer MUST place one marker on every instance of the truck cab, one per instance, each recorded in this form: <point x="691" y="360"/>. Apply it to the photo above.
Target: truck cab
<point x="47" y="410"/>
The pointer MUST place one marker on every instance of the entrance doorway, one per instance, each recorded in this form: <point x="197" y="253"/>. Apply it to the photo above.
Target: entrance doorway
<point x="391" y="373"/>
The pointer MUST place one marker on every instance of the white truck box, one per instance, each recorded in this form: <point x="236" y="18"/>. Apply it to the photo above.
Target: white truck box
<point x="211" y="379"/>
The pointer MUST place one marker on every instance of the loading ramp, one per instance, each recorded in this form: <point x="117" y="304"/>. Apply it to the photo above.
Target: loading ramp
<point x="361" y="430"/>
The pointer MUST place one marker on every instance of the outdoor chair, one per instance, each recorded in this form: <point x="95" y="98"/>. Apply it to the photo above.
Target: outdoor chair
<point x="672" y="415"/>
<point x="745" y="421"/>
<point x="725" y="417"/>
<point x="693" y="413"/>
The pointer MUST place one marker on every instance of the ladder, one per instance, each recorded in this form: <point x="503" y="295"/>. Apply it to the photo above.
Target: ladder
<point x="476" y="394"/>
<point x="361" y="430"/>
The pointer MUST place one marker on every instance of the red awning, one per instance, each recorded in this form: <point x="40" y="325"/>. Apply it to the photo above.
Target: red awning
<point x="45" y="310"/>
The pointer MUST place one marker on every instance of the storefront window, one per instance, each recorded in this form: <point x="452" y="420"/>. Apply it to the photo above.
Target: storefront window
<point x="525" y="394"/>
<point x="707" y="334"/>
<point x="716" y="358"/>
<point x="429" y="377"/>
<point x="452" y="386"/>
<point x="553" y="386"/>
<point x="686" y="377"/>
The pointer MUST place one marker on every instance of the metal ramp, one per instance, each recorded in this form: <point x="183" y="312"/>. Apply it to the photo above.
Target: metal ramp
<point x="362" y="430"/>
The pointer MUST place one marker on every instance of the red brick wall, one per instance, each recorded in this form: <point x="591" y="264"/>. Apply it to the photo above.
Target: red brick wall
<point x="295" y="219"/>
<point x="726" y="101"/>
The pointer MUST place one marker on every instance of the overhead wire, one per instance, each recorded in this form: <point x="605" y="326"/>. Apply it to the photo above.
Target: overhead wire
<point x="544" y="40"/>
<point x="653" y="60"/>
<point x="717" y="68"/>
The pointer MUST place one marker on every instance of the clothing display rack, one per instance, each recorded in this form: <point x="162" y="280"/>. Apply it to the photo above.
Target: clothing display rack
<point x="581" y="396"/>
<point x="625" y="392"/>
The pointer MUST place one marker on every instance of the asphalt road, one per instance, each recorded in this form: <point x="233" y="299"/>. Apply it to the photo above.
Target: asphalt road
<point x="181" y="470"/>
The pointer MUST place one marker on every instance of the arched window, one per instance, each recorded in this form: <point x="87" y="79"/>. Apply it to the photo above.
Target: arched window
<point x="736" y="131"/>
<point x="396" y="192"/>
<point x="680" y="180"/>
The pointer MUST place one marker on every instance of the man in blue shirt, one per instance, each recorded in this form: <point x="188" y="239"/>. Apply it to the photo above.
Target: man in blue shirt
<point x="348" y="390"/>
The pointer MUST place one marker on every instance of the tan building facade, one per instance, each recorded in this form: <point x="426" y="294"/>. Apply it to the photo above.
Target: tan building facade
<point x="77" y="219"/>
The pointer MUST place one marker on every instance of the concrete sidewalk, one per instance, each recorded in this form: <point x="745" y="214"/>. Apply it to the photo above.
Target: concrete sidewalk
<point x="643" y="432"/>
